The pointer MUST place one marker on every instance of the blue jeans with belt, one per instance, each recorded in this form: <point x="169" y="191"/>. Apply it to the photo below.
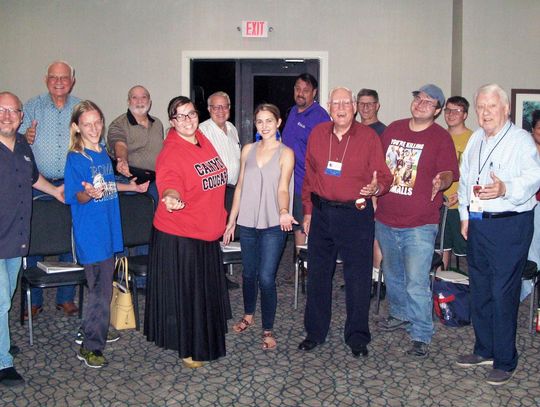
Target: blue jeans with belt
<point x="407" y="255"/>
<point x="261" y="252"/>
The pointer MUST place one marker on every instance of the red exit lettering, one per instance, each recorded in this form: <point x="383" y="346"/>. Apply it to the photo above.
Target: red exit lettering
<point x="254" y="28"/>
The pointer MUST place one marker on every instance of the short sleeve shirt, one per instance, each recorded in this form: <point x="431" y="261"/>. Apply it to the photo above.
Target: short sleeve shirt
<point x="19" y="173"/>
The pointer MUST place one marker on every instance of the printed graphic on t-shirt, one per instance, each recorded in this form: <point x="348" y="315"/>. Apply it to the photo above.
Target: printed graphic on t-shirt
<point x="402" y="159"/>
<point x="99" y="174"/>
<point x="213" y="173"/>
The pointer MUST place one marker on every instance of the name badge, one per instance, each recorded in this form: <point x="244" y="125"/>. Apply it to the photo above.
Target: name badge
<point x="333" y="168"/>
<point x="475" y="204"/>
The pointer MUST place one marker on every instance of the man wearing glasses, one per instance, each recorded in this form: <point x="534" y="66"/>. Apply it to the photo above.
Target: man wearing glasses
<point x="344" y="168"/>
<point x="500" y="174"/>
<point x="407" y="217"/>
<point x="368" y="108"/>
<point x="455" y="114"/>
<point x="46" y="127"/>
<point x="135" y="139"/>
<point x="224" y="137"/>
<point x="19" y="174"/>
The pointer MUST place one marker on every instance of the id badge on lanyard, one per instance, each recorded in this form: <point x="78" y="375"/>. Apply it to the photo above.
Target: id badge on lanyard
<point x="333" y="168"/>
<point x="475" y="204"/>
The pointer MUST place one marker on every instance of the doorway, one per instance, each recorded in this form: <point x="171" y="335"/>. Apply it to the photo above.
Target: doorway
<point x="248" y="82"/>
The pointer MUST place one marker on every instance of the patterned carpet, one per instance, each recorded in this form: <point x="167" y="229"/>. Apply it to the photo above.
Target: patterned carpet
<point x="140" y="374"/>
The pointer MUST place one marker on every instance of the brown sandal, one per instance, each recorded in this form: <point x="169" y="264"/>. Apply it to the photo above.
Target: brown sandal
<point x="265" y="344"/>
<point x="242" y="325"/>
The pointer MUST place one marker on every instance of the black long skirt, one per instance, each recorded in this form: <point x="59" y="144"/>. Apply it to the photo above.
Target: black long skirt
<point x="187" y="302"/>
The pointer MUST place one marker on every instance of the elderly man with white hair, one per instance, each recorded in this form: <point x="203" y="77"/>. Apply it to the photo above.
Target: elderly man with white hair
<point x="500" y="174"/>
<point x="344" y="168"/>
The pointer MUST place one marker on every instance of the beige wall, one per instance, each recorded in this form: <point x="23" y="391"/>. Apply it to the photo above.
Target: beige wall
<point x="500" y="44"/>
<point x="391" y="45"/>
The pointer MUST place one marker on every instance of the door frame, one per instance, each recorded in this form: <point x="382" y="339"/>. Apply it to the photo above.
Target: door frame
<point x="322" y="56"/>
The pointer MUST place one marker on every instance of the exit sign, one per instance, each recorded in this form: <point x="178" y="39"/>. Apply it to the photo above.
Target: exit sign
<point x="255" y="29"/>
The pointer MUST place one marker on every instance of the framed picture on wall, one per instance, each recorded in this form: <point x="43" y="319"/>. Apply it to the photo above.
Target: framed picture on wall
<point x="524" y="103"/>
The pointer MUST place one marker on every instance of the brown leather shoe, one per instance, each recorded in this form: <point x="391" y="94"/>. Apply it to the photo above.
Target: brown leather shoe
<point x="35" y="311"/>
<point x="69" y="308"/>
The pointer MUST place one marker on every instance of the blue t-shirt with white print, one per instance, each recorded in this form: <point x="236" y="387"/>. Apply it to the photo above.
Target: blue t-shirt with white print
<point x="97" y="225"/>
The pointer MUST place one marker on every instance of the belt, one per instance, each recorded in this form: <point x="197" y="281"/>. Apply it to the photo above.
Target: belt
<point x="319" y="201"/>
<point x="496" y="215"/>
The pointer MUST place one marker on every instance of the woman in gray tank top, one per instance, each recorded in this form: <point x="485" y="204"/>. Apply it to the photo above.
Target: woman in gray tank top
<point x="262" y="203"/>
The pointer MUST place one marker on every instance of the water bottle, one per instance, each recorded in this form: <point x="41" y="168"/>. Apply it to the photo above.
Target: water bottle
<point x="445" y="309"/>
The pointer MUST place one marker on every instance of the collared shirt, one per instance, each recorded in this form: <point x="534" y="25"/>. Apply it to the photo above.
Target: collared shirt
<point x="226" y="145"/>
<point x="19" y="173"/>
<point x="143" y="143"/>
<point x="512" y="156"/>
<point x="359" y="151"/>
<point x="296" y="134"/>
<point x="52" y="132"/>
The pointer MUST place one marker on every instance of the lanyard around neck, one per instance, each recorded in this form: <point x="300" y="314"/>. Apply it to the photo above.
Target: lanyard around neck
<point x="481" y="167"/>
<point x="344" y="151"/>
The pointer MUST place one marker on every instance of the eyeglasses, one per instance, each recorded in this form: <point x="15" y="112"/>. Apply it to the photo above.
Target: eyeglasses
<point x="217" y="108"/>
<point x="369" y="105"/>
<point x="9" y="111"/>
<point x="344" y="102"/>
<point x="449" y="111"/>
<point x="54" y="78"/>
<point x="183" y="117"/>
<point x="419" y="101"/>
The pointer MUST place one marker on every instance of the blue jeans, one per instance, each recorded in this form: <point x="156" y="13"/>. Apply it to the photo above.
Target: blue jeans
<point x="407" y="255"/>
<point x="261" y="252"/>
<point x="9" y="270"/>
<point x="63" y="294"/>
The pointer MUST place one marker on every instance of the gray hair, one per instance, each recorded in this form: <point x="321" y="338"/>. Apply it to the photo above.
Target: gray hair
<point x="71" y="69"/>
<point x="493" y="88"/>
<point x="353" y="98"/>
<point x="219" y="93"/>
<point x="135" y="87"/>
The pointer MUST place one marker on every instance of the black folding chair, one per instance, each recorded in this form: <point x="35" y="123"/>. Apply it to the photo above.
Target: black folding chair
<point x="50" y="235"/>
<point x="137" y="212"/>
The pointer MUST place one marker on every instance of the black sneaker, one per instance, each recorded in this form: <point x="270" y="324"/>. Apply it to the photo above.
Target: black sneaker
<point x="418" y="350"/>
<point x="112" y="336"/>
<point x="10" y="378"/>
<point x="499" y="377"/>
<point x="391" y="324"/>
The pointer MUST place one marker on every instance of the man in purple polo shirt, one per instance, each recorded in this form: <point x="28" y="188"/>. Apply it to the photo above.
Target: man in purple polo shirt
<point x="303" y="117"/>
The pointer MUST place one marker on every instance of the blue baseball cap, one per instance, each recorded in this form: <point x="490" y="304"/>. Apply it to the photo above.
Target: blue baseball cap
<point x="433" y="91"/>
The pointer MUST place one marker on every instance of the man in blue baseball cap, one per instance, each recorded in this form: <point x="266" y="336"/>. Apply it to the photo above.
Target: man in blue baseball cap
<point x="422" y="158"/>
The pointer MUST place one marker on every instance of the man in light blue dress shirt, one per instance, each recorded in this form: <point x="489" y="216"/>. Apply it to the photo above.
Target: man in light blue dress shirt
<point x="500" y="174"/>
<point x="46" y="127"/>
